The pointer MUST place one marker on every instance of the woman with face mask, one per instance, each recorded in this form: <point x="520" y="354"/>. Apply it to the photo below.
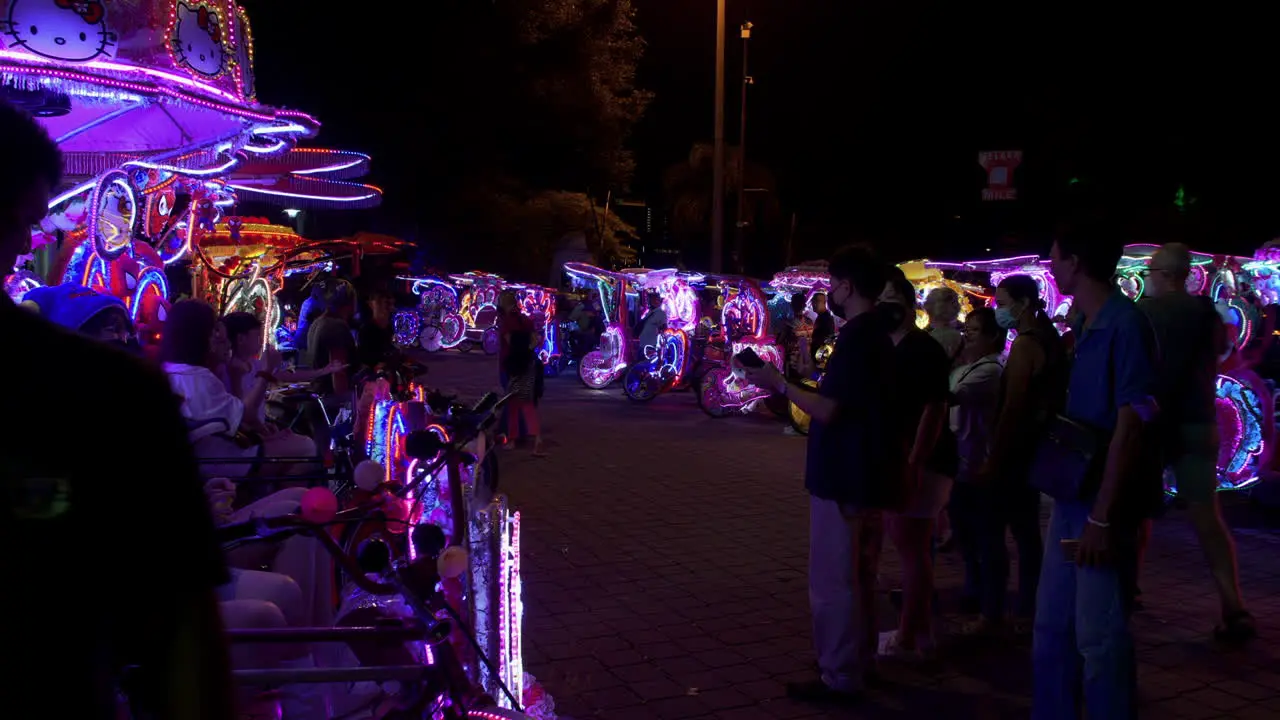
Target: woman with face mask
<point x="1032" y="389"/>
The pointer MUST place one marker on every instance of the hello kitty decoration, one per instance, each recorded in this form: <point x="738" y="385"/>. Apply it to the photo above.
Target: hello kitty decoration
<point x="209" y="40"/>
<point x="198" y="38"/>
<point x="72" y="31"/>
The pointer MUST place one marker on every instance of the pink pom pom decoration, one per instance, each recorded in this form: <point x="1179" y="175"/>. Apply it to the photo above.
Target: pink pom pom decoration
<point x="319" y="505"/>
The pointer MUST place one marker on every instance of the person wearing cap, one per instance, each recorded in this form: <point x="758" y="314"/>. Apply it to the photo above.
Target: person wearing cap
<point x="1191" y="338"/>
<point x="90" y="313"/>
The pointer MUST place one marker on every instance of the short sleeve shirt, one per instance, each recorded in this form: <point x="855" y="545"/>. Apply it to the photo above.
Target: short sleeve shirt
<point x="98" y="477"/>
<point x="924" y="372"/>
<point x="854" y="459"/>
<point x="1186" y="377"/>
<point x="1113" y="369"/>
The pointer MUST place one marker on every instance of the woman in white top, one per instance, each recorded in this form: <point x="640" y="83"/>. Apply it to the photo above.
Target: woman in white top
<point x="245" y="339"/>
<point x="194" y="345"/>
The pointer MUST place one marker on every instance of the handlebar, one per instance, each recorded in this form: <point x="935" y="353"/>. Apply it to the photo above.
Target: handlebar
<point x="425" y="445"/>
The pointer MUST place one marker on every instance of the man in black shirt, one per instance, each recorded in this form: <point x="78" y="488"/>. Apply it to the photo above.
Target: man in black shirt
<point x="107" y="551"/>
<point x="852" y="473"/>
<point x="374" y="342"/>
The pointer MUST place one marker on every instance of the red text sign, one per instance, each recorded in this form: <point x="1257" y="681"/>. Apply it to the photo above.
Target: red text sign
<point x="1000" y="167"/>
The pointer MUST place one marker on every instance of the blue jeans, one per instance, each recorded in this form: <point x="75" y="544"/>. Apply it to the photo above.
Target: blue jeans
<point x="1082" y="639"/>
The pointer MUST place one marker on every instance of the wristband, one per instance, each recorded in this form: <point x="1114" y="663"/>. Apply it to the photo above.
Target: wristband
<point x="1097" y="523"/>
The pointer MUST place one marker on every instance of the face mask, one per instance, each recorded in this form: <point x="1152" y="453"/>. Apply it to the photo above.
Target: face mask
<point x="1006" y="319"/>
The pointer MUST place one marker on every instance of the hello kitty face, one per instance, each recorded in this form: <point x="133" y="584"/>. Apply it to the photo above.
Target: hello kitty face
<point x="70" y="30"/>
<point x="197" y="40"/>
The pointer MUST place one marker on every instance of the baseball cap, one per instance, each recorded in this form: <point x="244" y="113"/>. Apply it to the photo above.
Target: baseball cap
<point x="71" y="305"/>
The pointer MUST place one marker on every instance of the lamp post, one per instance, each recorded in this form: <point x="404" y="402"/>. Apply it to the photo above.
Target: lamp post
<point x="739" y="239"/>
<point x="717" y="158"/>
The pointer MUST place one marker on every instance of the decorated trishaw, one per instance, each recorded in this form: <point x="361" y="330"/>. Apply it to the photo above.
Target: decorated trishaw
<point x="478" y="305"/>
<point x="435" y="323"/>
<point x="607" y="362"/>
<point x="744" y="322"/>
<point x="673" y="361"/>
<point x="454" y="497"/>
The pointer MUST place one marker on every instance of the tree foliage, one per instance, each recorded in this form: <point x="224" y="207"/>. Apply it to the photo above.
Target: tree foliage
<point x="529" y="103"/>
<point x="541" y="92"/>
<point x="530" y="228"/>
<point x="688" y="197"/>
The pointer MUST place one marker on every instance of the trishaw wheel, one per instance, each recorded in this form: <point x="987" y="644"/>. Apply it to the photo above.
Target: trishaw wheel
<point x="489" y="341"/>
<point x="711" y="393"/>
<point x="589" y="374"/>
<point x="639" y="384"/>
<point x="430" y="338"/>
<point x="452" y="328"/>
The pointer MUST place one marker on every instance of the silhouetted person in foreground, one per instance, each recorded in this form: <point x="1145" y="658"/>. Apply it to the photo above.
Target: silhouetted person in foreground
<point x="87" y="513"/>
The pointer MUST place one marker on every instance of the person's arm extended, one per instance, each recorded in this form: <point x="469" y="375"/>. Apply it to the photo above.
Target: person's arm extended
<point x="817" y="407"/>
<point x="306" y="375"/>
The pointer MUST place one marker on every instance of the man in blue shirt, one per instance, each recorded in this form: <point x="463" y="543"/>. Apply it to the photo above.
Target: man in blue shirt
<point x="1090" y="562"/>
<point x="853" y="472"/>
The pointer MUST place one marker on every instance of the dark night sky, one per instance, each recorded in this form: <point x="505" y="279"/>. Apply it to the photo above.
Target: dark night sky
<point x="871" y="113"/>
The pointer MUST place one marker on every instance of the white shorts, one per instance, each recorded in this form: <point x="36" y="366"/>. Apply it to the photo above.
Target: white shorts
<point x="930" y="497"/>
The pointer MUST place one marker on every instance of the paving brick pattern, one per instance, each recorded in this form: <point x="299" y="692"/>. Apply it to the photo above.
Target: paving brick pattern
<point x="665" y="579"/>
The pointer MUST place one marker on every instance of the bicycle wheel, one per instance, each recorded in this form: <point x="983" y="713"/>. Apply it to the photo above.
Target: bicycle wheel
<point x="639" y="384"/>
<point x="712" y="392"/>
<point x="489" y="341"/>
<point x="430" y="340"/>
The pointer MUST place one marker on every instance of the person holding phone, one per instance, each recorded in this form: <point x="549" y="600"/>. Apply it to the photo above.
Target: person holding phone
<point x="853" y="474"/>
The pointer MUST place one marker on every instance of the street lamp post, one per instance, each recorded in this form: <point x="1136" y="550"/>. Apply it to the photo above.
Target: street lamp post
<point x="717" y="159"/>
<point x="739" y="239"/>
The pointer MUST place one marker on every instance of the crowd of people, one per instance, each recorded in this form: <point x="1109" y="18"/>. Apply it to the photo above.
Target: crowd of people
<point x="1090" y="419"/>
<point x="909" y="427"/>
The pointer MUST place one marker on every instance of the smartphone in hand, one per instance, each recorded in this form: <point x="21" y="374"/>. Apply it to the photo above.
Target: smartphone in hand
<point x="749" y="358"/>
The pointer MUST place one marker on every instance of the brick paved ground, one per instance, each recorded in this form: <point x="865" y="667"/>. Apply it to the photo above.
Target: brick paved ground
<point x="664" y="562"/>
